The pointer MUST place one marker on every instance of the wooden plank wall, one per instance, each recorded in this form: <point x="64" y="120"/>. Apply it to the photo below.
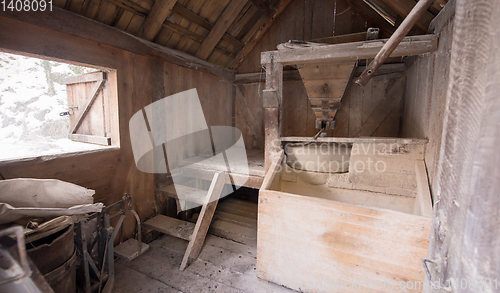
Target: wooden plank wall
<point x="425" y="97"/>
<point x="373" y="110"/>
<point x="465" y="233"/>
<point x="140" y="80"/>
<point x="306" y="20"/>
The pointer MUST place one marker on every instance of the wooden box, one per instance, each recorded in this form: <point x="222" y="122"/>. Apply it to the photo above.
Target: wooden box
<point x="344" y="232"/>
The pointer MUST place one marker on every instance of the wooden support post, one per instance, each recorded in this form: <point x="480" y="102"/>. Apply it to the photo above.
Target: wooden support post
<point x="274" y="92"/>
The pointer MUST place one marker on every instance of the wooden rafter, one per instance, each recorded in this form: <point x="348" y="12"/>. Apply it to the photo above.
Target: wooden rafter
<point x="192" y="35"/>
<point x="160" y="11"/>
<point x="264" y="7"/>
<point x="245" y="110"/>
<point x="365" y="10"/>
<point x="220" y="27"/>
<point x="67" y="22"/>
<point x="403" y="7"/>
<point x="255" y="37"/>
<point x="139" y="10"/>
<point x="193" y="17"/>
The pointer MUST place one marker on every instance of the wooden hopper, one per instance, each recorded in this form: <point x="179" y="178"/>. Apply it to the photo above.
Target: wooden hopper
<point x="325" y="85"/>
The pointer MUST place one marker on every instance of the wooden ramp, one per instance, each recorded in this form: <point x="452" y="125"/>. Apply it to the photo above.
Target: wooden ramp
<point x="194" y="233"/>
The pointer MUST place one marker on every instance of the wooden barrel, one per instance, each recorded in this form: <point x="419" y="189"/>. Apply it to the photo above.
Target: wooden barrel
<point x="54" y="256"/>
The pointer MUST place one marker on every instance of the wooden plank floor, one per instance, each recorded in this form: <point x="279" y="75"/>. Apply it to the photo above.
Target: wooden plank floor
<point x="227" y="262"/>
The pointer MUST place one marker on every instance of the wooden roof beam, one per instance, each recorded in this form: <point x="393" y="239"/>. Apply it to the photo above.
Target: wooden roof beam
<point x="263" y="6"/>
<point x="195" y="18"/>
<point x="225" y="20"/>
<point x="371" y="15"/>
<point x="68" y="22"/>
<point x="255" y="38"/>
<point x="160" y="11"/>
<point x="403" y="8"/>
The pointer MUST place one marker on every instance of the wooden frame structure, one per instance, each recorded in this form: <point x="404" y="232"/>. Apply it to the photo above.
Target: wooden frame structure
<point x="275" y="60"/>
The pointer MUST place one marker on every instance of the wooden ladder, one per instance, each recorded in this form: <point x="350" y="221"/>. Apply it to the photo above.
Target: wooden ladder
<point x="194" y="233"/>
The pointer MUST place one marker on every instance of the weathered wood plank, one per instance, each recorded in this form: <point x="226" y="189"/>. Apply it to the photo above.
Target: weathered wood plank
<point x="274" y="81"/>
<point x="90" y="77"/>
<point x="67" y="22"/>
<point x="444" y="16"/>
<point x="423" y="203"/>
<point x="249" y="117"/>
<point x="258" y="77"/>
<point x="205" y="218"/>
<point x="193" y="17"/>
<point x="261" y="29"/>
<point x="348" y="38"/>
<point x="160" y="11"/>
<point x="392" y="101"/>
<point x="101" y="140"/>
<point x="375" y="140"/>
<point x="338" y="241"/>
<point x="220" y="27"/>
<point x="414" y="45"/>
<point x="364" y="9"/>
<point x="403" y="8"/>
<point x="171" y="226"/>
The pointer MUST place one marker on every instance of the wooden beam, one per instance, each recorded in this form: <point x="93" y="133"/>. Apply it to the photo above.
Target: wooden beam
<point x="258" y="35"/>
<point x="372" y="140"/>
<point x="130" y="6"/>
<point x="415" y="45"/>
<point x="261" y="4"/>
<point x="89" y="77"/>
<point x="160" y="11"/>
<point x="258" y="77"/>
<point x="274" y="81"/>
<point x="289" y="75"/>
<point x="362" y="8"/>
<point x="192" y="35"/>
<point x="195" y="18"/>
<point x="101" y="140"/>
<point x="403" y="8"/>
<point x="444" y="16"/>
<point x="68" y="22"/>
<point x="139" y="10"/>
<point x="220" y="27"/>
<point x="384" y="69"/>
<point x="355" y="37"/>
<point x="423" y="202"/>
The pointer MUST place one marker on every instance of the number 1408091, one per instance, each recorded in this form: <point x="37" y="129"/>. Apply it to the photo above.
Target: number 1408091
<point x="26" y="5"/>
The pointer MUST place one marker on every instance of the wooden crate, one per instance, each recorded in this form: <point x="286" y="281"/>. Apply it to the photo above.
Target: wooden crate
<point x="321" y="239"/>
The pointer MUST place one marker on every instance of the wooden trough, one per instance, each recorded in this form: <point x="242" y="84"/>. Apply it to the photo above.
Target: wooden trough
<point x="363" y="230"/>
